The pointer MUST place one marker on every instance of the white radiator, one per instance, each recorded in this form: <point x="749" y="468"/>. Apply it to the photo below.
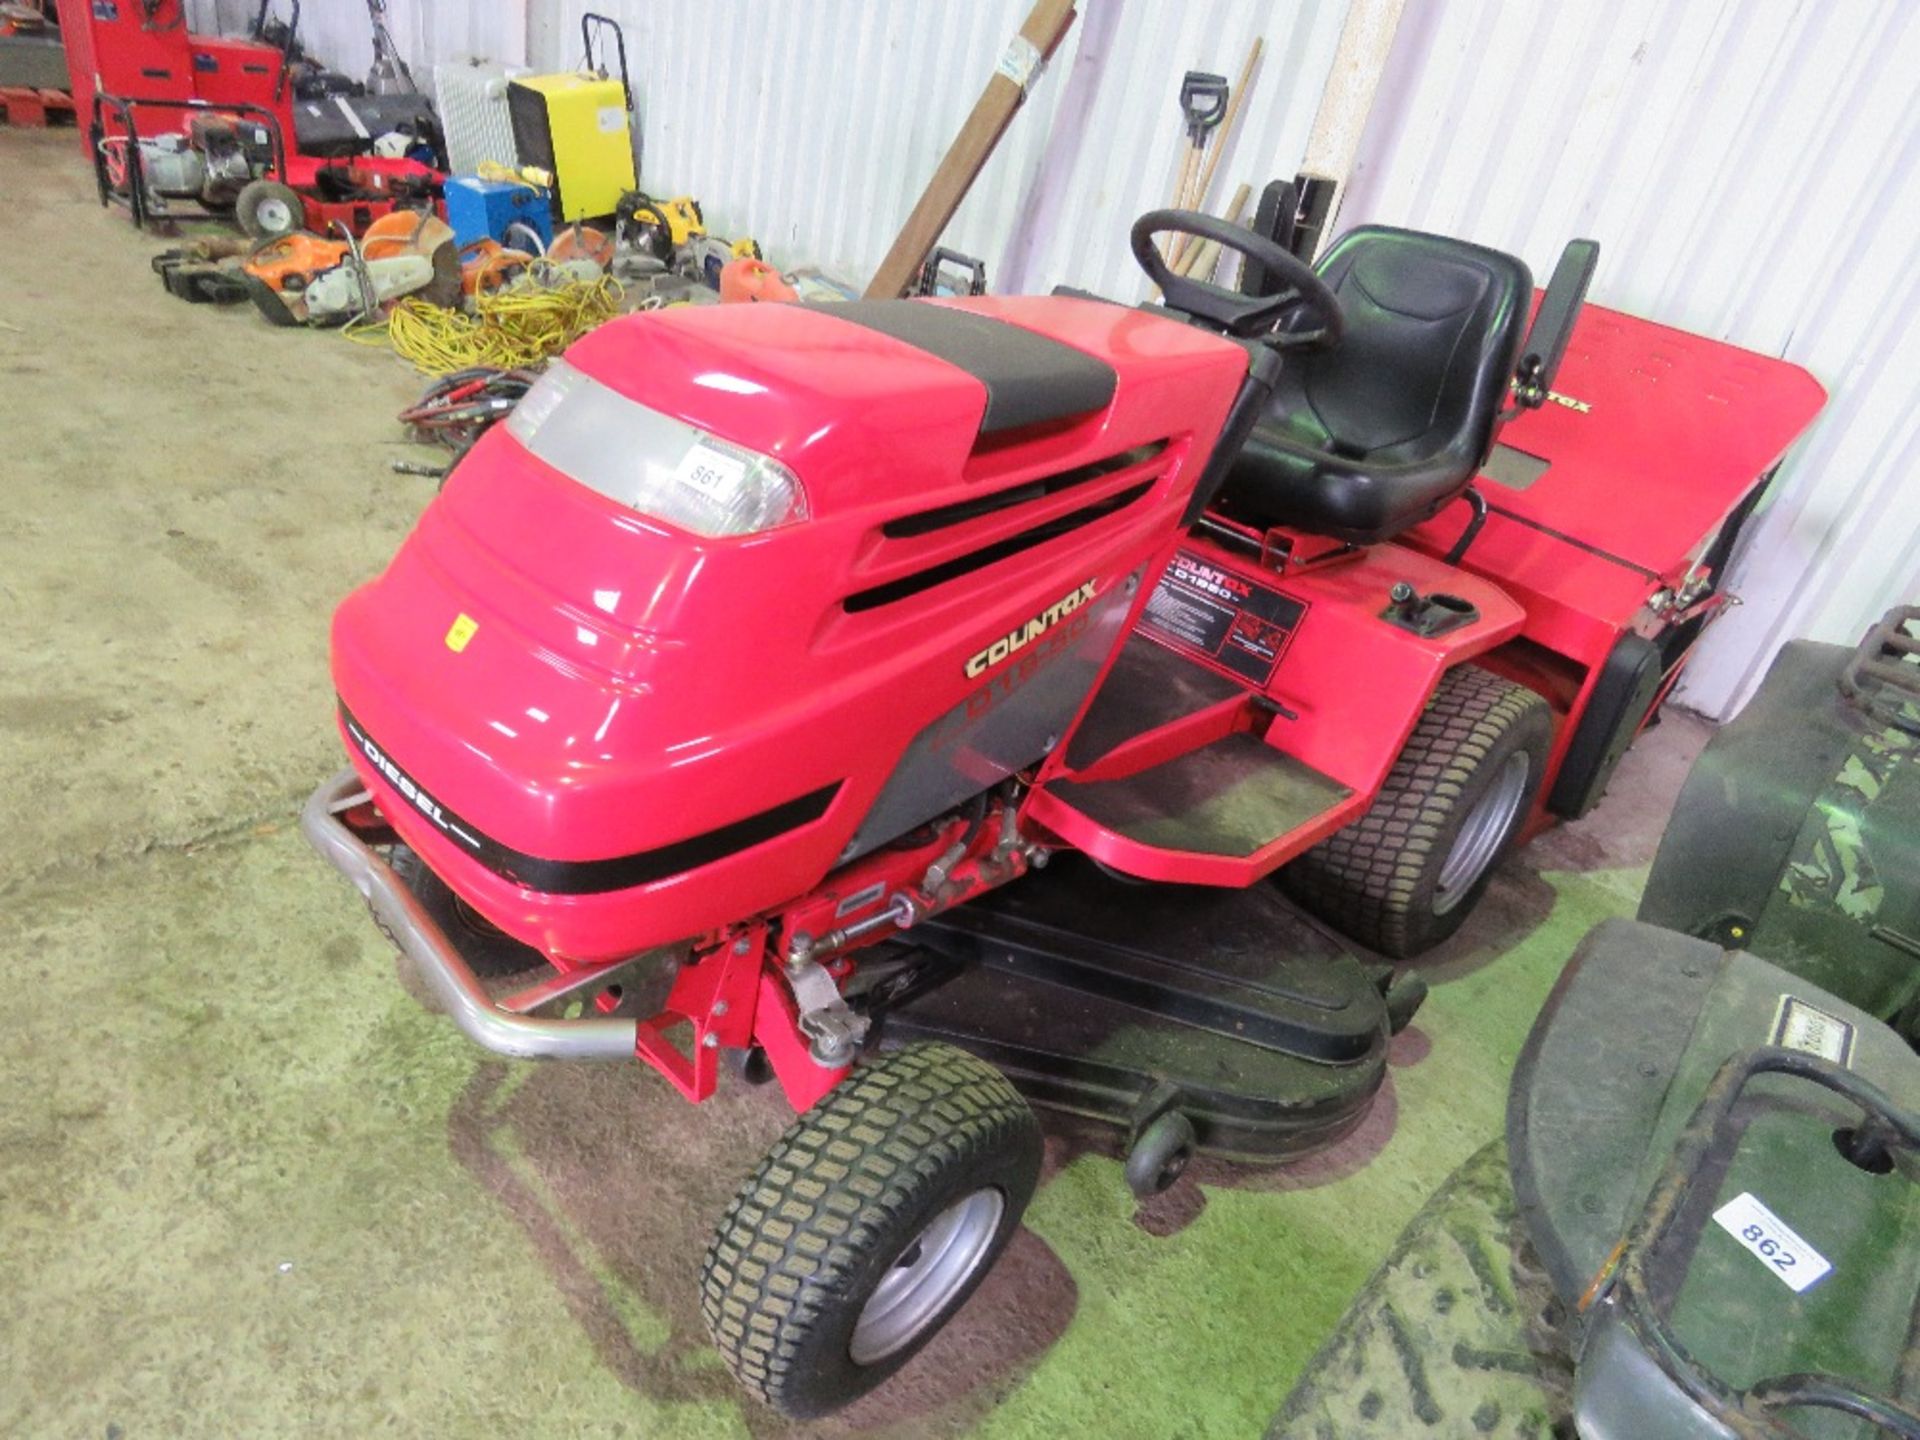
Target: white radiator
<point x="472" y="99"/>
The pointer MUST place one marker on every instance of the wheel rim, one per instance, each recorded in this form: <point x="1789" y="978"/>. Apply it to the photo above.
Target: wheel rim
<point x="1485" y="831"/>
<point x="930" y="1270"/>
<point x="273" y="216"/>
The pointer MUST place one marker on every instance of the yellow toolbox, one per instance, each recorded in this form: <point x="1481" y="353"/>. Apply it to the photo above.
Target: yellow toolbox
<point x="577" y="128"/>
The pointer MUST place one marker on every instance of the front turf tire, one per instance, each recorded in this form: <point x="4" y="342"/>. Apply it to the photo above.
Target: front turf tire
<point x="925" y="1158"/>
<point x="1403" y="877"/>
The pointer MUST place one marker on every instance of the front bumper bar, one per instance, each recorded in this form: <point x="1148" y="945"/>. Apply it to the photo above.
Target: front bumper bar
<point x="454" y="985"/>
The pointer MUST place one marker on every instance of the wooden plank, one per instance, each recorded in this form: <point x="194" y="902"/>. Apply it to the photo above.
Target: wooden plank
<point x="1046" y="26"/>
<point x="1199" y="261"/>
<point x="1359" y="63"/>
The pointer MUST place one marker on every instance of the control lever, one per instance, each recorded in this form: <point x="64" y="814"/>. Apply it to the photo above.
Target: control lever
<point x="1427" y="615"/>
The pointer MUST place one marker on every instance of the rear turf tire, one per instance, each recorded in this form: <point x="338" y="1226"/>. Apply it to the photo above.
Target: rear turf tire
<point x="1403" y="877"/>
<point x="926" y="1142"/>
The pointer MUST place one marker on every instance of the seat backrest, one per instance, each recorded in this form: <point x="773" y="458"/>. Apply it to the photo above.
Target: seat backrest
<point x="1433" y="331"/>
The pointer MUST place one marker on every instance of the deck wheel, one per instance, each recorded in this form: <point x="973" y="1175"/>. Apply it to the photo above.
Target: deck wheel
<point x="1161" y="1155"/>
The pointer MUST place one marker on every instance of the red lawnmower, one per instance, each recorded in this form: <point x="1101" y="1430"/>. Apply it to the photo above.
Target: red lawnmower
<point x="728" y="689"/>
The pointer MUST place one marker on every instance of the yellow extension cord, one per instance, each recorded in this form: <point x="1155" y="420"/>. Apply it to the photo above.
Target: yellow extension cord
<point x="510" y="326"/>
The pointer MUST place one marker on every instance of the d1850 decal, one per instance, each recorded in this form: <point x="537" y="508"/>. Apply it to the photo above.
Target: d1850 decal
<point x="1220" y="616"/>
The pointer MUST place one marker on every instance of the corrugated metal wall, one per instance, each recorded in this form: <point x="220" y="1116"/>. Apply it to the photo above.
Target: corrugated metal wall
<point x="821" y="153"/>
<point x="1752" y="170"/>
<point x="340" y="33"/>
<point x="814" y="127"/>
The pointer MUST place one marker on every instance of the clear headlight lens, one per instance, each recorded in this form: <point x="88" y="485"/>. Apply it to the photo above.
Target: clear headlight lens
<point x="657" y="465"/>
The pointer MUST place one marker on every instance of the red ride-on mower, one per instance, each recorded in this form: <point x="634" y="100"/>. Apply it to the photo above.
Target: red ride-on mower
<point x="733" y="688"/>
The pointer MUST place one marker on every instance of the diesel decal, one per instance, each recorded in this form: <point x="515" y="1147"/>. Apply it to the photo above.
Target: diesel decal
<point x="1567" y="400"/>
<point x="1019" y="639"/>
<point x="400" y="781"/>
<point x="1010" y="680"/>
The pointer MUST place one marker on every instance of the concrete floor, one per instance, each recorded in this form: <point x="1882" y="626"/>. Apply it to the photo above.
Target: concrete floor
<point x="250" y="1186"/>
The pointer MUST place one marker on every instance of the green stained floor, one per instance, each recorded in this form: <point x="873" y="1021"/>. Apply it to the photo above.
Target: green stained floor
<point x="250" y="1186"/>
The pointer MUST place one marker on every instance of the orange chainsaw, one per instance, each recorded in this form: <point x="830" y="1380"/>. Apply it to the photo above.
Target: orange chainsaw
<point x="306" y="279"/>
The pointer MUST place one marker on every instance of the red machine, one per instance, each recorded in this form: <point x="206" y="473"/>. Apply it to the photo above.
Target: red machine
<point x="171" y="117"/>
<point x="732" y="684"/>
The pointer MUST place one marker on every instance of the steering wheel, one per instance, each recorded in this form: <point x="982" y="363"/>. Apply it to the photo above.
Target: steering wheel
<point x="1311" y="309"/>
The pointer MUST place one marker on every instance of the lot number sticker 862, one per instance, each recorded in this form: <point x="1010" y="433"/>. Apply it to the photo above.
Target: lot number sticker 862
<point x="1770" y="1238"/>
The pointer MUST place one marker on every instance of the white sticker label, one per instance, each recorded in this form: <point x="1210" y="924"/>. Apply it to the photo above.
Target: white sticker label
<point x="714" y="473"/>
<point x="1799" y="1026"/>
<point x="1797" y="1263"/>
<point x="613" y="118"/>
<point x="1020" y="61"/>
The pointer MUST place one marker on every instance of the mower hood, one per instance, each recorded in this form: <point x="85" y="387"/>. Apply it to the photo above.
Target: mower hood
<point x="596" y="699"/>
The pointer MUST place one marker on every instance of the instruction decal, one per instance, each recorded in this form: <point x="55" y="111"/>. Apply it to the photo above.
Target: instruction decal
<point x="1770" y="1238"/>
<point x="1800" y="1026"/>
<point x="1219" y="615"/>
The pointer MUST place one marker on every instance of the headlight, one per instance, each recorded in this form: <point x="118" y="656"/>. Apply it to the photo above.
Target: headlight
<point x="657" y="465"/>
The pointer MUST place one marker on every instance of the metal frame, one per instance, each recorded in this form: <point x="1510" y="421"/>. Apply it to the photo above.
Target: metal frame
<point x="459" y="991"/>
<point x="123" y="107"/>
<point x="1878" y="680"/>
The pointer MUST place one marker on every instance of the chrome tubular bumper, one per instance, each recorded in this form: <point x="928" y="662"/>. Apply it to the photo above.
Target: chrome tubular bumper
<point x="459" y="991"/>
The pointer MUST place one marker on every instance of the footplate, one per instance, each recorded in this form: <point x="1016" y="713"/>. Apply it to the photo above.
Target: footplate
<point x="1121" y="1002"/>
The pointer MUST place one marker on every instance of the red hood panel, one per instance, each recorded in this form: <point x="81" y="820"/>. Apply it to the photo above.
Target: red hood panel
<point x="580" y="682"/>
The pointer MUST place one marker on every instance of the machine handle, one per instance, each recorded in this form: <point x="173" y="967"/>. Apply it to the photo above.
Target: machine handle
<point x="1552" y="328"/>
<point x="1203" y="100"/>
<point x="592" y="26"/>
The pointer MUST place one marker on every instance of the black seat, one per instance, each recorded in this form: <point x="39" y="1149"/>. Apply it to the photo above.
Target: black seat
<point x="1380" y="431"/>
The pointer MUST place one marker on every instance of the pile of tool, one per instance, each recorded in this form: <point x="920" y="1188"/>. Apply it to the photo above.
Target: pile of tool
<point x="305" y="279"/>
<point x="498" y="269"/>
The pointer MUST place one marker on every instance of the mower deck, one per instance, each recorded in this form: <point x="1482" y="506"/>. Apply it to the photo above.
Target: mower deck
<point x="1121" y="1003"/>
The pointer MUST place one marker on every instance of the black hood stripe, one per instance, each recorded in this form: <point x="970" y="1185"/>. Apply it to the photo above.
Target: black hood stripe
<point x="1031" y="378"/>
<point x="588" y="877"/>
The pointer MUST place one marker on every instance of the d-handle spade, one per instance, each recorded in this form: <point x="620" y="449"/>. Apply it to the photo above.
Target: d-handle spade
<point x="1203" y="103"/>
